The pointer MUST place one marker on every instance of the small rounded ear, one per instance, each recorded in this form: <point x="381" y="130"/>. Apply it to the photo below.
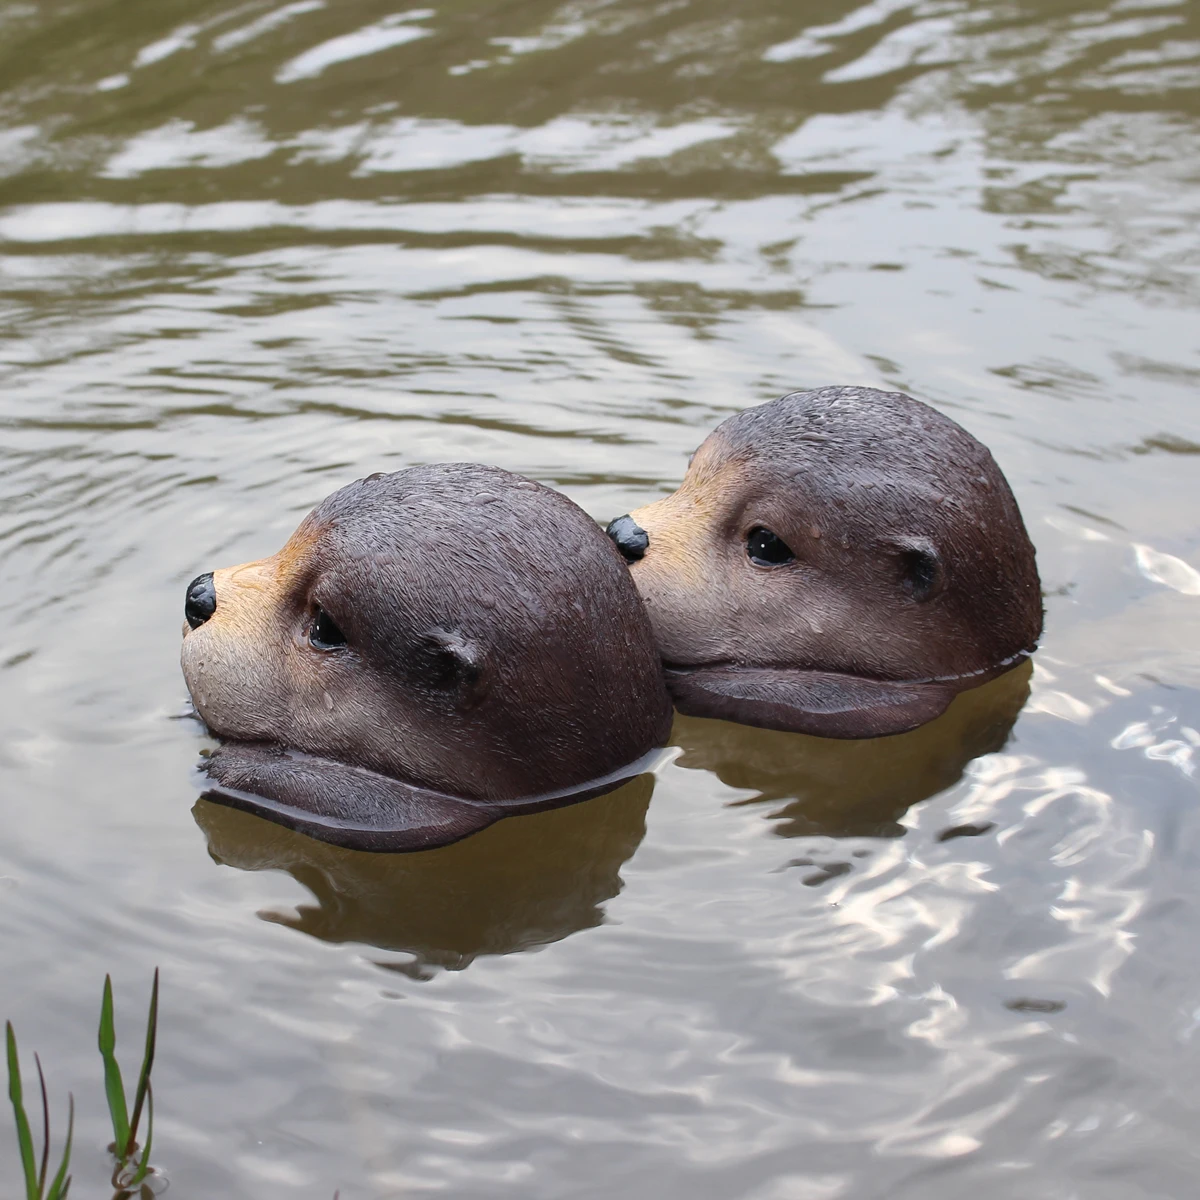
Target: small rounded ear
<point x="922" y="572"/>
<point x="454" y="663"/>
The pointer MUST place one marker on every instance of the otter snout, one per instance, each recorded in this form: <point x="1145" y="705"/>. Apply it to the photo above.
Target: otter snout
<point x="631" y="539"/>
<point x="201" y="601"/>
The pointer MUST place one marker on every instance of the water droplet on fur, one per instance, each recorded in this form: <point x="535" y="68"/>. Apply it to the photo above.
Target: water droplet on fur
<point x="814" y="531"/>
<point x="527" y="485"/>
<point x="328" y="701"/>
<point x="485" y="498"/>
<point x="487" y="601"/>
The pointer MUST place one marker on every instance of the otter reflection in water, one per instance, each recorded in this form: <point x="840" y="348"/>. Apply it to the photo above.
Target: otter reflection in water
<point x="530" y="880"/>
<point x="860" y="788"/>
<point x="523" y="882"/>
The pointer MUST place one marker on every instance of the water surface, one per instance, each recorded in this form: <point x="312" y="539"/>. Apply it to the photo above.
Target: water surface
<point x="249" y="253"/>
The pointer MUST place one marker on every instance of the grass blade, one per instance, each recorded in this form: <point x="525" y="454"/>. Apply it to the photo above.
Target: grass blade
<point x="24" y="1138"/>
<point x="62" y="1181"/>
<point x="45" y="1128"/>
<point x="147" y="1062"/>
<point x="114" y="1088"/>
<point x="144" y="1165"/>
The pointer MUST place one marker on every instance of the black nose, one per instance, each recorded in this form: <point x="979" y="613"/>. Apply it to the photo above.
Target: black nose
<point x="201" y="600"/>
<point x="630" y="537"/>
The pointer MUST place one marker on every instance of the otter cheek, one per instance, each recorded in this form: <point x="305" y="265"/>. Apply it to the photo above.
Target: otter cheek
<point x="682" y="581"/>
<point x="345" y="715"/>
<point x="203" y="675"/>
<point x="674" y="614"/>
<point x="230" y="685"/>
<point x="233" y="663"/>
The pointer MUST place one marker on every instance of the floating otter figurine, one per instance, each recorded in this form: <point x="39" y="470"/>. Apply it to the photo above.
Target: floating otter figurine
<point x="432" y="650"/>
<point x="839" y="562"/>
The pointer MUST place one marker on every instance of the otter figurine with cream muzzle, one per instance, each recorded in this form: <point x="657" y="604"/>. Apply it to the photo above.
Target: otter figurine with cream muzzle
<point x="840" y="562"/>
<point x="431" y="650"/>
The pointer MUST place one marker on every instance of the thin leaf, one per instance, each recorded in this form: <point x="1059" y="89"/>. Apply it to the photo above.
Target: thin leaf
<point x="144" y="1165"/>
<point x="62" y="1181"/>
<point x="147" y="1063"/>
<point x="24" y="1138"/>
<point x="45" y="1127"/>
<point x="114" y="1088"/>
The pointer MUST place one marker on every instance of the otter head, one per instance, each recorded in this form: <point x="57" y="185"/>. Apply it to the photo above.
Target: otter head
<point x="839" y="562"/>
<point x="430" y="650"/>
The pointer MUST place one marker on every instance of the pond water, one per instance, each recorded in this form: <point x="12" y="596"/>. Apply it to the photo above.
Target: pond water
<point x="249" y="253"/>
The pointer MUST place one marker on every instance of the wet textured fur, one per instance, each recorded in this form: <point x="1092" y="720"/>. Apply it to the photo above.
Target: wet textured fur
<point x="913" y="577"/>
<point x="497" y="656"/>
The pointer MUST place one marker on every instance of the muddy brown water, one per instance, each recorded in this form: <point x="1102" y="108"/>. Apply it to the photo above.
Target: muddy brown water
<point x="249" y="253"/>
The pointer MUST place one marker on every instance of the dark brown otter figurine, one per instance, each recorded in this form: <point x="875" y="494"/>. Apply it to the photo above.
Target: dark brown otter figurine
<point x="432" y="650"/>
<point x="840" y="562"/>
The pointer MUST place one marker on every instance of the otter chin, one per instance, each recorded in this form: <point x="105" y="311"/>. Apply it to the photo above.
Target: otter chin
<point x="840" y="562"/>
<point x="431" y="650"/>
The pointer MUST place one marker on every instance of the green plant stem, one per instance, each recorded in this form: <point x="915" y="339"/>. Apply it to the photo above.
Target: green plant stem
<point x="24" y="1138"/>
<point x="144" y="1165"/>
<point x="35" y="1179"/>
<point x="61" y="1183"/>
<point x="147" y="1063"/>
<point x="45" y="1127"/>
<point x="114" y="1087"/>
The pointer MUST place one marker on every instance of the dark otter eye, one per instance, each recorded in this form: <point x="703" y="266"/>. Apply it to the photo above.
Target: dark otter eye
<point x="922" y="573"/>
<point x="324" y="634"/>
<point x="766" y="548"/>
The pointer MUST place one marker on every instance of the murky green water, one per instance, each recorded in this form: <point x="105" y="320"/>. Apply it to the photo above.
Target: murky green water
<point x="250" y="253"/>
